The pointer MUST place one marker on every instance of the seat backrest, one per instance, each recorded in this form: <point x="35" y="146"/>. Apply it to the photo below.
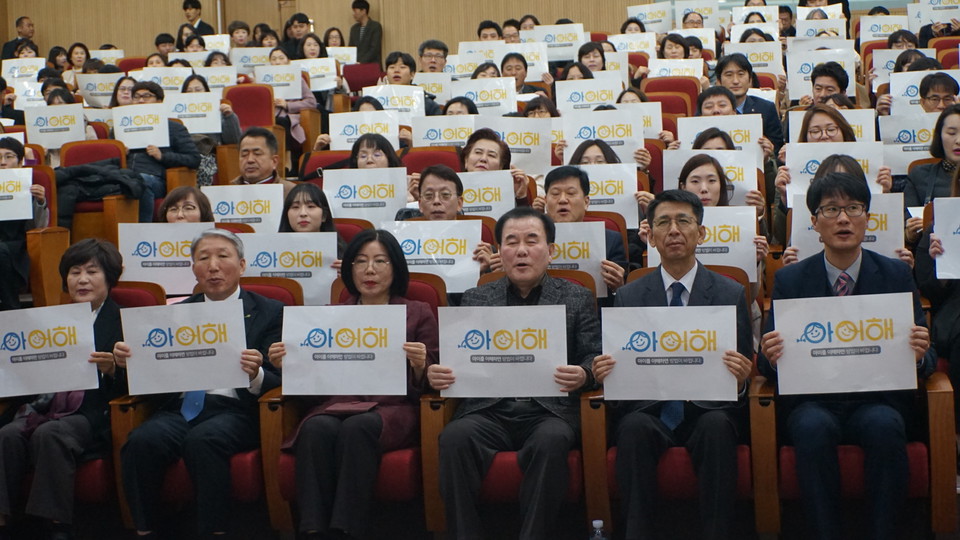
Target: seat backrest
<point x="688" y="85"/>
<point x="924" y="161"/>
<point x="253" y="104"/>
<point x="236" y="228"/>
<point x="949" y="58"/>
<point x="138" y="294"/>
<point x="285" y="290"/>
<point x="673" y="102"/>
<point x="347" y="228"/>
<point x="311" y="162"/>
<point x="83" y="152"/>
<point x="359" y="76"/>
<point x="102" y="129"/>
<point x="598" y="36"/>
<point x="44" y="176"/>
<point x="656" y="148"/>
<point x="637" y="59"/>
<point x="639" y="273"/>
<point x="427" y="288"/>
<point x="736" y="274"/>
<point x="487" y="228"/>
<point x="132" y="63"/>
<point x="767" y="80"/>
<point x="945" y="42"/>
<point x="418" y="159"/>
<point x="577" y="277"/>
<point x="612" y="221"/>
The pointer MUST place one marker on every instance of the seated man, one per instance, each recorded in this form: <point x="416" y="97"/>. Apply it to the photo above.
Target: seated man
<point x="937" y="92"/>
<point x="165" y="44"/>
<point x="826" y="79"/>
<point x="259" y="156"/>
<point x="14" y="262"/>
<point x="433" y="56"/>
<point x="489" y="31"/>
<point x="152" y="162"/>
<point x="876" y="421"/>
<point x="224" y="422"/>
<point x="541" y="430"/>
<point x="735" y="73"/>
<point x="710" y="430"/>
<point x="401" y="68"/>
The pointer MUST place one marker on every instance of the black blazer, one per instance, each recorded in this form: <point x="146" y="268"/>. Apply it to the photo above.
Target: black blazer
<point x="96" y="402"/>
<point x="772" y="128"/>
<point x="9" y="48"/>
<point x="204" y="29"/>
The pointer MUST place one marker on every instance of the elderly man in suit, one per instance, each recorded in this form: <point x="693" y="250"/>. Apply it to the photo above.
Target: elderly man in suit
<point x="541" y="430"/>
<point x="205" y="428"/>
<point x="839" y="204"/>
<point x="709" y="430"/>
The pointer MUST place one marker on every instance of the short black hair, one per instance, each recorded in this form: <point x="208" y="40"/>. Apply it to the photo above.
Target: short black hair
<point x="99" y="251"/>
<point x="938" y="81"/>
<point x="902" y="34"/>
<point x="237" y="25"/>
<point x="264" y="133"/>
<point x="522" y="212"/>
<point x="150" y="86"/>
<point x="676" y="39"/>
<point x="608" y="154"/>
<point x="19" y="21"/>
<point x="463" y="100"/>
<point x="713" y="133"/>
<point x="833" y="70"/>
<point x="377" y="142"/>
<point x="629" y="21"/>
<point x="715" y="91"/>
<point x="195" y="77"/>
<point x="299" y="17"/>
<point x="191" y="4"/>
<point x="401" y="274"/>
<point x="433" y="44"/>
<point x="513" y="56"/>
<point x="676" y="196"/>
<point x="368" y="99"/>
<point x="738" y="59"/>
<point x="398" y="56"/>
<point x="837" y="184"/>
<point x="55" y="82"/>
<point x="924" y="64"/>
<point x="784" y="9"/>
<point x="60" y="93"/>
<point x="693" y="42"/>
<point x="361" y="4"/>
<point x="163" y="38"/>
<point x="109" y="68"/>
<point x="47" y="73"/>
<point x="568" y="171"/>
<point x="487" y="24"/>
<point x="9" y="143"/>
<point x="444" y="173"/>
<point x="513" y="23"/>
<point x="878" y="10"/>
<point x="194" y="37"/>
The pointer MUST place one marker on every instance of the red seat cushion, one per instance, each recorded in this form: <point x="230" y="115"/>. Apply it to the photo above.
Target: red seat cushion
<point x="398" y="480"/>
<point x="851" y="471"/>
<point x="94" y="481"/>
<point x="277" y="293"/>
<point x="132" y="297"/>
<point x="675" y="476"/>
<point x="502" y="483"/>
<point x="417" y="161"/>
<point x="246" y="479"/>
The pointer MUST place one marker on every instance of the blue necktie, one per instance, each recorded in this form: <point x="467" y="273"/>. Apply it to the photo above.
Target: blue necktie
<point x="192" y="404"/>
<point x="671" y="412"/>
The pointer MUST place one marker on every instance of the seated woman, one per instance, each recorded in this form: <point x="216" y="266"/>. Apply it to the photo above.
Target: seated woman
<point x="485" y="151"/>
<point x="374" y="151"/>
<point x="59" y="96"/>
<point x="52" y="432"/>
<point x="186" y="30"/>
<point x="460" y="105"/>
<point x="122" y="92"/>
<point x="14" y="262"/>
<point x="400" y="68"/>
<point x="333" y="37"/>
<point x="57" y="59"/>
<point x="365" y="103"/>
<point x="486" y="70"/>
<point x="185" y="204"/>
<point x="540" y="107"/>
<point x="339" y="443"/>
<point x="78" y="53"/>
<point x="311" y="46"/>
<point x="207" y="143"/>
<point x="288" y="110"/>
<point x="676" y="47"/>
<point x="156" y="60"/>
<point x="26" y="49"/>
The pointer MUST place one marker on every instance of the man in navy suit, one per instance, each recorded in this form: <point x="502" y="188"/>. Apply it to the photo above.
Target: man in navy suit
<point x="25" y="30"/>
<point x="709" y="430"/>
<point x="735" y="73"/>
<point x="876" y="421"/>
<point x="192" y="10"/>
<point x="204" y="428"/>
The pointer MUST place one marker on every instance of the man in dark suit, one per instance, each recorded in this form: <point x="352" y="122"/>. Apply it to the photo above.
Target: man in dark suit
<point x="709" y="430"/>
<point x="366" y="35"/>
<point x="192" y="10"/>
<point x="24" y="31"/>
<point x="735" y="73"/>
<point x="541" y="430"/>
<point x="205" y="428"/>
<point x="876" y="421"/>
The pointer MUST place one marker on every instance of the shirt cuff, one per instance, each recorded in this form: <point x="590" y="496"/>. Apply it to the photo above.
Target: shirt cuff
<point x="256" y="383"/>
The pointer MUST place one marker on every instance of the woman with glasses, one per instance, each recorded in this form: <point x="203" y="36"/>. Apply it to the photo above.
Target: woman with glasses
<point x="339" y="443"/>
<point x="185" y="204"/>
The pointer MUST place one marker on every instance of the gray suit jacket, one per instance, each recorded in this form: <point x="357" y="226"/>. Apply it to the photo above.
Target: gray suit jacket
<point x="583" y="338"/>
<point x="709" y="289"/>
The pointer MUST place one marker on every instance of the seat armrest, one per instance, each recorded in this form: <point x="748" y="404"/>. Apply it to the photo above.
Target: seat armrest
<point x="435" y="413"/>
<point x="593" y="427"/>
<point x="763" y="450"/>
<point x="179" y="177"/>
<point x="45" y="247"/>
<point x="278" y="417"/>
<point x="943" y="452"/>
<point x="126" y="413"/>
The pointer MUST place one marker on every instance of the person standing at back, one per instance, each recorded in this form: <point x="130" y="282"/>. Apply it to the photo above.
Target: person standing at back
<point x="192" y="10"/>
<point x="366" y="35"/>
<point x="24" y="32"/>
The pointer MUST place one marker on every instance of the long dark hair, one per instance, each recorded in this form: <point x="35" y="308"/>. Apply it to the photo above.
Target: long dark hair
<point x="401" y="275"/>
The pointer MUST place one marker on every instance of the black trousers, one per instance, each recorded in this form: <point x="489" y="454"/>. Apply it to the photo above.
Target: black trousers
<point x="468" y="446"/>
<point x="52" y="451"/>
<point x="711" y="438"/>
<point x="206" y="445"/>
<point x="337" y="464"/>
<point x="10" y="279"/>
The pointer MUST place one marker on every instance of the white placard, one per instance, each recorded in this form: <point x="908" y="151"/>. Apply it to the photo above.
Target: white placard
<point x="878" y="27"/>
<point x="884" y="60"/>
<point x="528" y="138"/>
<point x="768" y="94"/>
<point x="185" y="347"/>
<point x="492" y="96"/>
<point x="139" y="126"/>
<point x="371" y="194"/>
<point x="909" y="129"/>
<point x="643" y="42"/>
<point x="563" y="40"/>
<point x="858" y="343"/>
<point x="814" y="28"/>
<point x="218" y="77"/>
<point x="55" y="125"/>
<point x="905" y="89"/>
<point x="765" y="57"/>
<point x="729" y="239"/>
<point x="708" y="9"/>
<point x="443" y="130"/>
<point x="741" y="176"/>
<point x="800" y="65"/>
<point x="932" y="12"/>
<point x="406" y="99"/>
<point x="160" y="253"/>
<point x="800" y="44"/>
<point x="301" y="256"/>
<point x="443" y="248"/>
<point x="462" y="66"/>
<point x="108" y="56"/>
<point x="706" y="35"/>
<point x="534" y="52"/>
<point x="257" y="205"/>
<point x="503" y="351"/>
<point x="46" y="350"/>
<point x="612" y="189"/>
<point x="915" y="211"/>
<point x="581" y="246"/>
<point x="28" y="94"/>
<point x="623" y="132"/>
<point x="486" y="49"/>
<point x="803" y="160"/>
<point x="884" y="226"/>
<point x="285" y="80"/>
<point x="946" y="225"/>
<point x="99" y="115"/>
<point x="247" y="58"/>
<point x="487" y="193"/>
<point x="195" y="59"/>
<point x="217" y="42"/>
<point x="770" y="28"/>
<point x="832" y="11"/>
<point x="862" y="121"/>
<point x="586" y="94"/>
<point x="97" y="88"/>
<point x="915" y="17"/>
<point x="22" y="68"/>
<point x="199" y="111"/>
<point x="322" y="71"/>
<point x="739" y="13"/>
<point x="691" y="67"/>
<point x="15" y="198"/>
<point x="169" y="78"/>
<point x="344" y="55"/>
<point x="656" y="17"/>
<point x="336" y="350"/>
<point x="651" y="117"/>
<point x="346" y="128"/>
<point x="437" y="84"/>
<point x="665" y="353"/>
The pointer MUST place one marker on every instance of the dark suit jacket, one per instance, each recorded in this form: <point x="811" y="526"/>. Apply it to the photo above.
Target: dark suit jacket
<point x="583" y="337"/>
<point x="772" y="128"/>
<point x="368" y="48"/>
<point x="878" y="275"/>
<point x="9" y="48"/>
<point x="204" y="29"/>
<point x="709" y="289"/>
<point x="96" y="402"/>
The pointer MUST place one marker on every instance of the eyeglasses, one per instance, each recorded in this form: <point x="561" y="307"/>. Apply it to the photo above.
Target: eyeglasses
<point x="378" y="263"/>
<point x="363" y="156"/>
<point x="431" y="195"/>
<point x="936" y="100"/>
<point x="683" y="222"/>
<point x="851" y="210"/>
<point x="816" y="133"/>
<point x="144" y="95"/>
<point x="185" y="208"/>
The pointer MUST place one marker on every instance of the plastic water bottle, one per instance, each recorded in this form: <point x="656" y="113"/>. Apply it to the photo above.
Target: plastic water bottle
<point x="597" y="532"/>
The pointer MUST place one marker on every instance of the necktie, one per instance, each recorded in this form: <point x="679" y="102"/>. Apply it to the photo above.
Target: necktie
<point x="192" y="404"/>
<point x="671" y="412"/>
<point x="843" y="285"/>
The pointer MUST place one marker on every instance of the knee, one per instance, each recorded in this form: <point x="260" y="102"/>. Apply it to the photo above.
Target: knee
<point x="48" y="434"/>
<point x="882" y="426"/>
<point x="717" y="425"/>
<point x="554" y="442"/>
<point x="361" y="426"/>
<point x="320" y="428"/>
<point x="455" y="438"/>
<point x="195" y="446"/>
<point x="812" y="427"/>
<point x="636" y="428"/>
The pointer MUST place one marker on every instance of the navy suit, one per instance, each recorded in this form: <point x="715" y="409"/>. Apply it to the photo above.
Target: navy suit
<point x="876" y="421"/>
<point x="772" y="128"/>
<point x="710" y="430"/>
